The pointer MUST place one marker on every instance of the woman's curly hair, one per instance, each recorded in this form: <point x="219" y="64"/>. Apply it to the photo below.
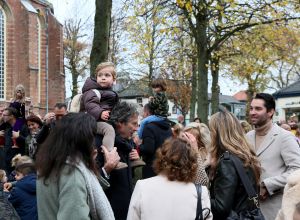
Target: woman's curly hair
<point x="177" y="160"/>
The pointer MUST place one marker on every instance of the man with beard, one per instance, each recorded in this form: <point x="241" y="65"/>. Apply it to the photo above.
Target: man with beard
<point x="277" y="151"/>
<point x="14" y="137"/>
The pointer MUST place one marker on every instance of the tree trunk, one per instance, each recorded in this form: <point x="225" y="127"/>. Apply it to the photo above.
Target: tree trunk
<point x="215" y="88"/>
<point x="250" y="93"/>
<point x="194" y="90"/>
<point x="74" y="84"/>
<point x="202" y="59"/>
<point x="100" y="46"/>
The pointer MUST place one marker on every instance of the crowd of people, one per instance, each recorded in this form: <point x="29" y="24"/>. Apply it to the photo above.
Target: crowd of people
<point x="81" y="165"/>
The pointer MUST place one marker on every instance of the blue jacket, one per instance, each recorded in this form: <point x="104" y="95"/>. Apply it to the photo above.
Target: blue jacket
<point x="23" y="197"/>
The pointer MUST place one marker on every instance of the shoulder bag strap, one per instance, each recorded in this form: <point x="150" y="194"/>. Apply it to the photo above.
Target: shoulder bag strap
<point x="199" y="215"/>
<point x="245" y="179"/>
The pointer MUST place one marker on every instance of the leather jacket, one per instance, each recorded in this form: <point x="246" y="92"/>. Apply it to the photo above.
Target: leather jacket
<point x="227" y="191"/>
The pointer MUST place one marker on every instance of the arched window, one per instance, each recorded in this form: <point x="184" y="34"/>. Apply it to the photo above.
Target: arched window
<point x="2" y="54"/>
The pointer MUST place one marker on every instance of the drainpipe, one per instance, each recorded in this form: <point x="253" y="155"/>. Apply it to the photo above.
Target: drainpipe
<point x="47" y="61"/>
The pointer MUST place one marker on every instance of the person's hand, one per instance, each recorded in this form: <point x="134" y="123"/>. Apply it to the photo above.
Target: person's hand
<point x="263" y="192"/>
<point x="105" y="115"/>
<point x="15" y="134"/>
<point x="111" y="159"/>
<point x="133" y="155"/>
<point x="7" y="187"/>
<point x="95" y="154"/>
<point x="190" y="139"/>
<point x="2" y="133"/>
<point x="49" y="117"/>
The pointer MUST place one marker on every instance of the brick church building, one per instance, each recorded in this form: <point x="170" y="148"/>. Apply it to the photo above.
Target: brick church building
<point x="31" y="52"/>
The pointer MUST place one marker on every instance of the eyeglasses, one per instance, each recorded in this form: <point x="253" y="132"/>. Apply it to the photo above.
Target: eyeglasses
<point x="5" y="115"/>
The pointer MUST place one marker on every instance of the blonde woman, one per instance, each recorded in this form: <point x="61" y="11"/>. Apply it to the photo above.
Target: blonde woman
<point x="202" y="134"/>
<point x="18" y="102"/>
<point x="228" y="195"/>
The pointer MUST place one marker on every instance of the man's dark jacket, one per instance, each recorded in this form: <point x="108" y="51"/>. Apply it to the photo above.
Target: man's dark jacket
<point x="120" y="190"/>
<point x="154" y="135"/>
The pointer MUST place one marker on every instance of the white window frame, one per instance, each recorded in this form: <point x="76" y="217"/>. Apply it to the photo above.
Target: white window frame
<point x="3" y="87"/>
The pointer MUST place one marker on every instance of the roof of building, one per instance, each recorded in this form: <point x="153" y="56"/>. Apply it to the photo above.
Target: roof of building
<point x="44" y="2"/>
<point x="289" y="91"/>
<point x="225" y="99"/>
<point x="135" y="91"/>
<point x="241" y="95"/>
<point x="29" y="7"/>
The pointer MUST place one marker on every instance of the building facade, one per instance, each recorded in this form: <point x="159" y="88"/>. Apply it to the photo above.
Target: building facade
<point x="288" y="103"/>
<point x="31" y="52"/>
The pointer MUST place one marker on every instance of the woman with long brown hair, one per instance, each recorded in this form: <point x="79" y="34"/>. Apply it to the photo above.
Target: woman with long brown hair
<point x="228" y="193"/>
<point x="68" y="185"/>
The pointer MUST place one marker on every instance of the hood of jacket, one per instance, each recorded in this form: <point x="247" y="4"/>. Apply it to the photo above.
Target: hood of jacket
<point x="91" y="83"/>
<point x="27" y="183"/>
<point x="163" y="124"/>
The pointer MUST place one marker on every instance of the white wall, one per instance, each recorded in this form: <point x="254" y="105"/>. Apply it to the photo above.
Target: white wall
<point x="284" y="103"/>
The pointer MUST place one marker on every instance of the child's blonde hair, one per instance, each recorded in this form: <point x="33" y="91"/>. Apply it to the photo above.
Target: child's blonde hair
<point x="18" y="159"/>
<point x="20" y="88"/>
<point x="106" y="64"/>
<point x="2" y="175"/>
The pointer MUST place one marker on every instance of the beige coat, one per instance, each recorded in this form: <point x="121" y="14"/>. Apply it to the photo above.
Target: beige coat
<point x="160" y="199"/>
<point x="291" y="197"/>
<point x="279" y="155"/>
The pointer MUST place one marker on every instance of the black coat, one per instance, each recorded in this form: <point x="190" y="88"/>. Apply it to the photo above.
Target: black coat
<point x="154" y="135"/>
<point x="44" y="132"/>
<point x="120" y="190"/>
<point x="20" y="142"/>
<point x="227" y="191"/>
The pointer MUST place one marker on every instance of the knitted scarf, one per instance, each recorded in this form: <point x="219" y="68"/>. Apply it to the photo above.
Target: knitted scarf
<point x="99" y="205"/>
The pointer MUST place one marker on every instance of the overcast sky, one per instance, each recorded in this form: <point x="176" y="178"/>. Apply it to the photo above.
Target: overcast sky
<point x="85" y="10"/>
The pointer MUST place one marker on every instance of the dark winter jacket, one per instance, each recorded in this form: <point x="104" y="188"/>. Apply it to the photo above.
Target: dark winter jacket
<point x="20" y="142"/>
<point x="44" y="132"/>
<point x="23" y="197"/>
<point x="91" y="103"/>
<point x="159" y="105"/>
<point x="154" y="135"/>
<point x="120" y="190"/>
<point x="227" y="191"/>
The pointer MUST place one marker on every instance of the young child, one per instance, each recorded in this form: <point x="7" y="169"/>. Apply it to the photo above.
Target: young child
<point x="17" y="160"/>
<point x="3" y="179"/>
<point x="158" y="104"/>
<point x="23" y="194"/>
<point x="100" y="107"/>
